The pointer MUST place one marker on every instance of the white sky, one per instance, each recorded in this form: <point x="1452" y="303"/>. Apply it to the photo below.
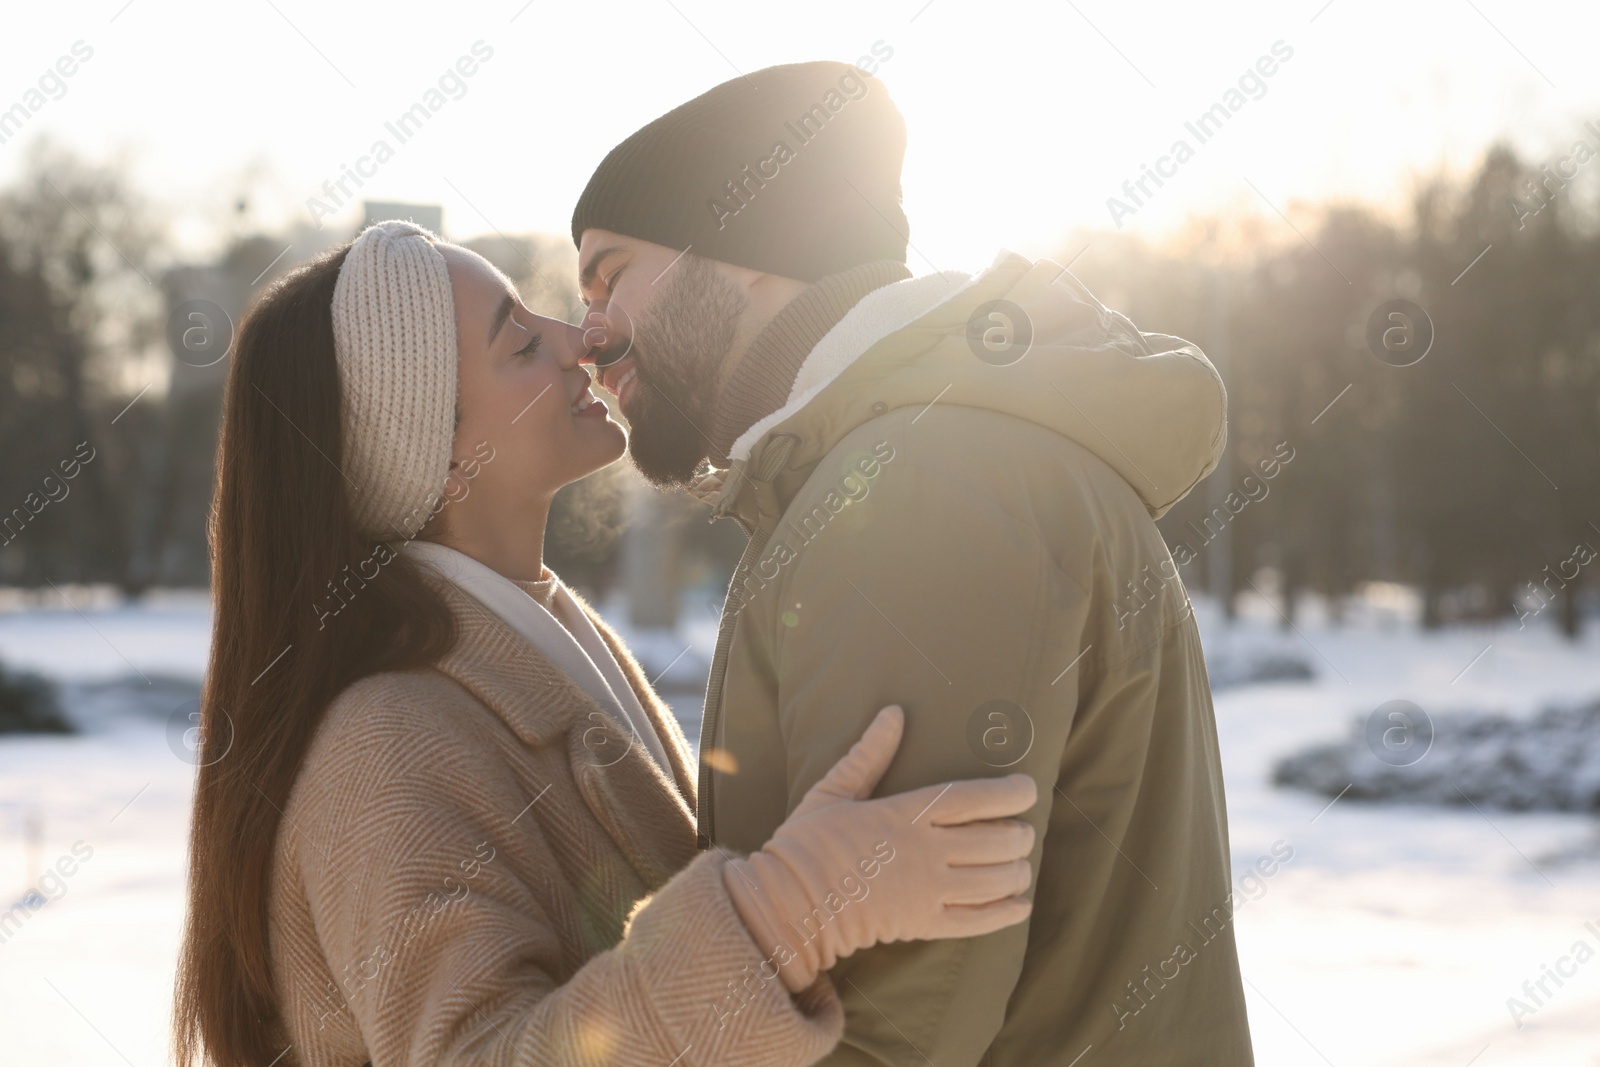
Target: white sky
<point x="1023" y="117"/>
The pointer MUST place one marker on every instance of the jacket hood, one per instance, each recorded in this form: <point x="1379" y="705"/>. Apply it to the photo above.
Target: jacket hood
<point x="1026" y="339"/>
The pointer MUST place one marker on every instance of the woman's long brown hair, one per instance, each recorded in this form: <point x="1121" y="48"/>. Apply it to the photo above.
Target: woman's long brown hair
<point x="281" y="538"/>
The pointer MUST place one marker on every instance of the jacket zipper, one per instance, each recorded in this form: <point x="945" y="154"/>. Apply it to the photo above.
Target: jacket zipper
<point x="773" y="458"/>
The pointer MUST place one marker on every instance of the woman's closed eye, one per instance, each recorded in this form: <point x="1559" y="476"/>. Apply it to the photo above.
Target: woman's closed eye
<point x="528" y="350"/>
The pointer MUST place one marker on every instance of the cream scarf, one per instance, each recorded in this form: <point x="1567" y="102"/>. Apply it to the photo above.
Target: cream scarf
<point x="571" y="642"/>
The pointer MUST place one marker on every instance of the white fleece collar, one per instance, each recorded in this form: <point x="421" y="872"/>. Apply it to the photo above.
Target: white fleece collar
<point x="879" y="314"/>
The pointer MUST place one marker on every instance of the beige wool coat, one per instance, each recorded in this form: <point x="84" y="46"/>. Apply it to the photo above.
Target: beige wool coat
<point x="459" y="874"/>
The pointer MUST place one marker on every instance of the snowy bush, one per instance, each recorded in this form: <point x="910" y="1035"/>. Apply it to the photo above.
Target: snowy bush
<point x="28" y="705"/>
<point x="1550" y="762"/>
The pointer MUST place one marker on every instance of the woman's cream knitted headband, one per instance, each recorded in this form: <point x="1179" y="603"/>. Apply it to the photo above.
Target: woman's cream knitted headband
<point x="394" y="332"/>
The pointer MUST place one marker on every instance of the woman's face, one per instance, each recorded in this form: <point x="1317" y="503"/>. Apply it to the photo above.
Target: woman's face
<point x="522" y="397"/>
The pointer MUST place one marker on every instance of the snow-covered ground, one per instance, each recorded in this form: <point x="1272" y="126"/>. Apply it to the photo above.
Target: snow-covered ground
<point x="1394" y="935"/>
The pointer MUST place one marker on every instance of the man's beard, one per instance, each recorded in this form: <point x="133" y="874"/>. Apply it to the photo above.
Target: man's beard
<point x="681" y="345"/>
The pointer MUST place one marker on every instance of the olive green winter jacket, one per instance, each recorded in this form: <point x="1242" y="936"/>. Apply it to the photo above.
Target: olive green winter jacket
<point x="954" y="513"/>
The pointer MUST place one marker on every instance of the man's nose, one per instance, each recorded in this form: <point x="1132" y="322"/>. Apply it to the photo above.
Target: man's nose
<point x="607" y="334"/>
<point x="594" y="334"/>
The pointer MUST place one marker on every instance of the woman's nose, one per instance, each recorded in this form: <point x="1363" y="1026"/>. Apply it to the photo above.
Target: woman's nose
<point x="570" y="349"/>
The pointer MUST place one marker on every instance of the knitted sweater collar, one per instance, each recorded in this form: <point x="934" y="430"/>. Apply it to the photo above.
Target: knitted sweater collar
<point x="759" y="382"/>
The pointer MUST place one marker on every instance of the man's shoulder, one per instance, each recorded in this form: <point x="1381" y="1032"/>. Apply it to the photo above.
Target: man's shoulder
<point x="947" y="494"/>
<point x="919" y="492"/>
<point x="936" y="450"/>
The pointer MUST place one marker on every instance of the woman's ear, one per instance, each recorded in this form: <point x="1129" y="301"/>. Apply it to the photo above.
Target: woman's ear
<point x="456" y="482"/>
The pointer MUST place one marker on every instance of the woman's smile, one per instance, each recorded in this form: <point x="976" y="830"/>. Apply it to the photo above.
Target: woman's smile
<point x="588" y="406"/>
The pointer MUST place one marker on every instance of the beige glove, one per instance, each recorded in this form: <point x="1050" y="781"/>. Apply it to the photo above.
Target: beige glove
<point x="843" y="873"/>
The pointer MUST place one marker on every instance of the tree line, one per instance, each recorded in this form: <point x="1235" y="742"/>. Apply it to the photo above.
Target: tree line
<point x="1472" y="474"/>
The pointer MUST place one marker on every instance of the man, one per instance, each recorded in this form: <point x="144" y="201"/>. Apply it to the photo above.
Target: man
<point x="948" y="484"/>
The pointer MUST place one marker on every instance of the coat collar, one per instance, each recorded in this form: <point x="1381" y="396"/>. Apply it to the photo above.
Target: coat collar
<point x="1149" y="405"/>
<point x="763" y="449"/>
<point x="650" y="818"/>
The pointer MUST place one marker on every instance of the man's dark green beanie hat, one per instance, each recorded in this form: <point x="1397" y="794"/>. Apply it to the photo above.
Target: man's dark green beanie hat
<point x="791" y="170"/>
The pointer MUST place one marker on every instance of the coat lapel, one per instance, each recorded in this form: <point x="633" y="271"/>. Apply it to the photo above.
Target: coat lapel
<point x="648" y="816"/>
<point x="661" y="717"/>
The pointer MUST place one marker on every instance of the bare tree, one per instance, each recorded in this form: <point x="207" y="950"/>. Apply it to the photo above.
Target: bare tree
<point x="86" y="244"/>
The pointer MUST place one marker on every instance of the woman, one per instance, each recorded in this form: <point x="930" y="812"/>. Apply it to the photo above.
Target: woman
<point x="441" y="817"/>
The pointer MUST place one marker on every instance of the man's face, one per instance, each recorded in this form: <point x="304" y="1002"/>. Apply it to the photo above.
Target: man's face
<point x="659" y="329"/>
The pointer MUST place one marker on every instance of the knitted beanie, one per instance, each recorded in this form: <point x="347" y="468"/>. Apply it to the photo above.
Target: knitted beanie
<point x="792" y="170"/>
<point x="394" y="333"/>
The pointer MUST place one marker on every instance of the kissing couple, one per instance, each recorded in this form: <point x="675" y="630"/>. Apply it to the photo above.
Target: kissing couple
<point x="954" y="804"/>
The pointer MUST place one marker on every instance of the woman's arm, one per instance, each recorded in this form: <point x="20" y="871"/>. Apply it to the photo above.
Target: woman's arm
<point x="420" y="905"/>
